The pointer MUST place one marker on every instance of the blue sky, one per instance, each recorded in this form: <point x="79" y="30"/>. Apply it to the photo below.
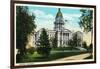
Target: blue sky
<point x="45" y="17"/>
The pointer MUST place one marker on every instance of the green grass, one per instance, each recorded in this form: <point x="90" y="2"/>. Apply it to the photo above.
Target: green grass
<point x="56" y="53"/>
<point x="64" y="48"/>
<point x="53" y="56"/>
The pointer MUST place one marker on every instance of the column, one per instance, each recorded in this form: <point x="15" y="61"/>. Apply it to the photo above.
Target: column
<point x="58" y="39"/>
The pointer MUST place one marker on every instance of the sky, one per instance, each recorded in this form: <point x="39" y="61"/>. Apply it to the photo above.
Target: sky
<point x="45" y="17"/>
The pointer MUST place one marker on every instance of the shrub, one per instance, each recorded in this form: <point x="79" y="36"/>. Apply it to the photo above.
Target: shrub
<point x="31" y="50"/>
<point x="91" y="48"/>
<point x="84" y="45"/>
<point x="44" y="51"/>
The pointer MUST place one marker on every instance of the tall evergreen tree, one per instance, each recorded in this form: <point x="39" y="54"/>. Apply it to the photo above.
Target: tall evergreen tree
<point x="44" y="46"/>
<point x="54" y="41"/>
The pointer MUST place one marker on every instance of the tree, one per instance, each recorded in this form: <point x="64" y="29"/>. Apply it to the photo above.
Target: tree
<point x="25" y="25"/>
<point x="85" y="45"/>
<point x="91" y="48"/>
<point x="70" y="42"/>
<point x="44" y="46"/>
<point x="86" y="20"/>
<point x="54" y="42"/>
<point x="75" y="41"/>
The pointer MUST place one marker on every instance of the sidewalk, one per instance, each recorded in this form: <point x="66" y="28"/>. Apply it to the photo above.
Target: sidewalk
<point x="76" y="57"/>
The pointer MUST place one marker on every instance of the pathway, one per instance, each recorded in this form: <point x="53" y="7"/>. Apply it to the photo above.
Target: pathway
<point x="76" y="57"/>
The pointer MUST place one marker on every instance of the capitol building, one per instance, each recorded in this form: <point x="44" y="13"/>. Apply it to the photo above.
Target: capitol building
<point x="63" y="34"/>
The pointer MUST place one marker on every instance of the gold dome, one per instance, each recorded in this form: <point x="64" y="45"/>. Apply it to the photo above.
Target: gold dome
<point x="59" y="14"/>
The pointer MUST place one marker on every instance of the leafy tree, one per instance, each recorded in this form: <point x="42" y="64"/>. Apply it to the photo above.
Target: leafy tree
<point x="25" y="25"/>
<point x="44" y="46"/>
<point x="54" y="42"/>
<point x="71" y="44"/>
<point x="86" y="20"/>
<point x="75" y="41"/>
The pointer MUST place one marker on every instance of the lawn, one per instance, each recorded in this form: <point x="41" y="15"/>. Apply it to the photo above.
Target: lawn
<point x="65" y="48"/>
<point x="53" y="56"/>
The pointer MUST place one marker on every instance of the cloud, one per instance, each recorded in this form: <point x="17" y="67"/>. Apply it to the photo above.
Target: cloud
<point x="43" y="15"/>
<point x="38" y="12"/>
<point x="43" y="19"/>
<point x="47" y="24"/>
